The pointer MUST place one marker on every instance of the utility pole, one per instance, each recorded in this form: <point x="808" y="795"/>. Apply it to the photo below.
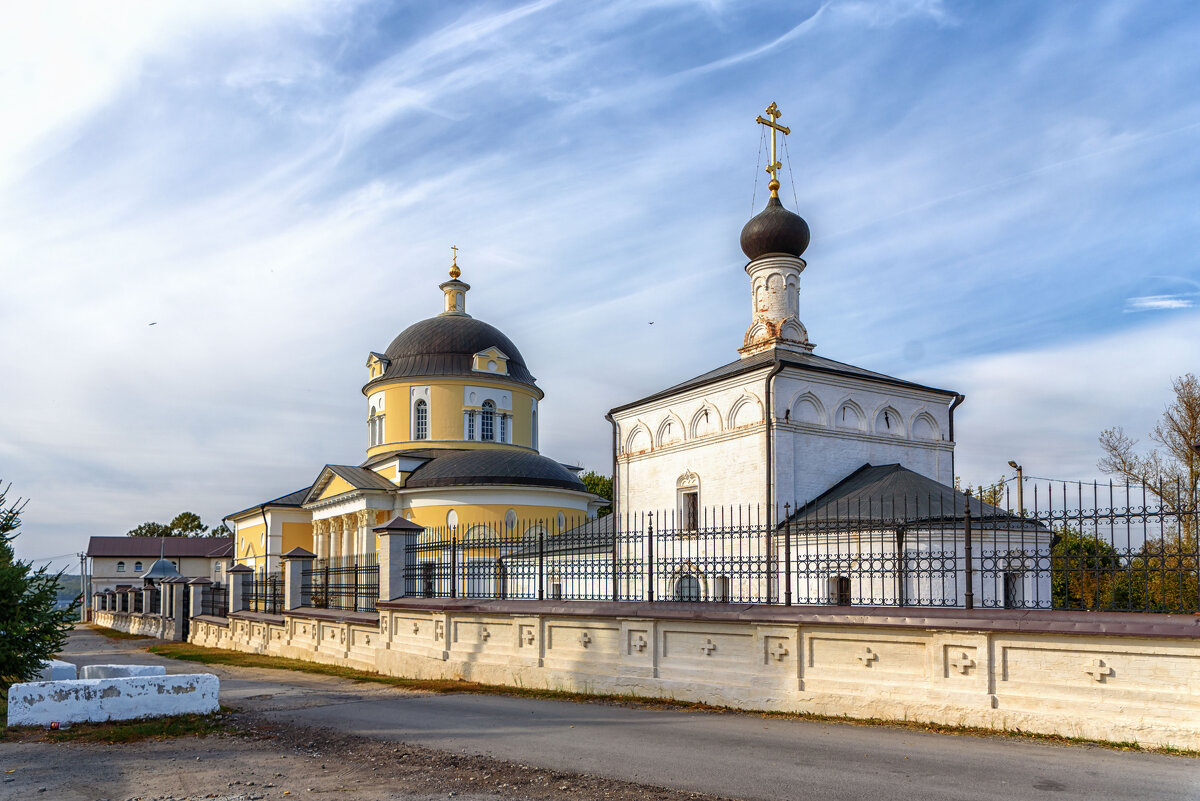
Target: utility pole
<point x="1020" y="486"/>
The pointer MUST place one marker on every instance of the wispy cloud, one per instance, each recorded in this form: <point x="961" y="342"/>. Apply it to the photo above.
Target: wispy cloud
<point x="1158" y="303"/>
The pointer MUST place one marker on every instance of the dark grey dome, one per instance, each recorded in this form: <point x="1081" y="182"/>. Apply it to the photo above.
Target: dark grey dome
<point x="161" y="569"/>
<point x="446" y="345"/>
<point x="775" y="230"/>
<point x="494" y="466"/>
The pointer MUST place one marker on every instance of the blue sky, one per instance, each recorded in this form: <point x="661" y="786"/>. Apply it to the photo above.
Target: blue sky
<point x="1003" y="199"/>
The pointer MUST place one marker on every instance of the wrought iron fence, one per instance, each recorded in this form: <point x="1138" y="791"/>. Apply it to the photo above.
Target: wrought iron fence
<point x="1119" y="552"/>
<point x="154" y="601"/>
<point x="345" y="583"/>
<point x="214" y="600"/>
<point x="137" y="602"/>
<point x="263" y="592"/>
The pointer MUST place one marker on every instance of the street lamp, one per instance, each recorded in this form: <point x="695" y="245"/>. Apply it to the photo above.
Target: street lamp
<point x="1021" y="486"/>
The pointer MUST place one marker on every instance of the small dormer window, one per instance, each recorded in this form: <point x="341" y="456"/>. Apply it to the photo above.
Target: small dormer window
<point x="492" y="360"/>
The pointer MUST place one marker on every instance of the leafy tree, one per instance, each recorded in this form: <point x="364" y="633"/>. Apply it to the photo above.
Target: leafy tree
<point x="599" y="485"/>
<point x="151" y="530"/>
<point x="184" y="524"/>
<point x="1163" y="577"/>
<point x="992" y="493"/>
<point x="1083" y="571"/>
<point x="187" y="524"/>
<point x="1172" y="473"/>
<point x="32" y="631"/>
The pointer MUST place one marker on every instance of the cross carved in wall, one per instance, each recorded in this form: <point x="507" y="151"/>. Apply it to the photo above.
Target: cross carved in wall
<point x="484" y="635"/>
<point x="639" y="643"/>
<point x="584" y="639"/>
<point x="962" y="662"/>
<point x="528" y="636"/>
<point x="866" y="656"/>
<point x="416" y="628"/>
<point x="708" y="647"/>
<point x="779" y="650"/>
<point x="1098" y="670"/>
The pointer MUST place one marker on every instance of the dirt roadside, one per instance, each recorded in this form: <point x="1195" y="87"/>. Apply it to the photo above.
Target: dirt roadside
<point x="260" y="760"/>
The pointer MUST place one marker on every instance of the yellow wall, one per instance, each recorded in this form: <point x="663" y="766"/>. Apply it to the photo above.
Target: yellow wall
<point x="249" y="536"/>
<point x="336" y="486"/>
<point x="446" y="413"/>
<point x="493" y="515"/>
<point x="297" y="535"/>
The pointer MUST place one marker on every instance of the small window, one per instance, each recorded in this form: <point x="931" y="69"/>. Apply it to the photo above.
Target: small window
<point x="421" y="420"/>
<point x="690" y="510"/>
<point x="428" y="579"/>
<point x="687" y="588"/>
<point x="452" y="518"/>
<point x="174" y="565"/>
<point x="721" y="589"/>
<point x="561" y="520"/>
<point x="487" y="422"/>
<point x="504" y="428"/>
<point x="841" y="590"/>
<point x="120" y="567"/>
<point x="510" y="519"/>
<point x="1013" y="591"/>
<point x="533" y="432"/>
<point x="137" y="567"/>
<point x="470" y="425"/>
<point x="218" y="567"/>
<point x="556" y="591"/>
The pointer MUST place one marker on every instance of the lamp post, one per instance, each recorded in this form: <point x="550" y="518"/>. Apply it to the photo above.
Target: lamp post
<point x="1020" y="486"/>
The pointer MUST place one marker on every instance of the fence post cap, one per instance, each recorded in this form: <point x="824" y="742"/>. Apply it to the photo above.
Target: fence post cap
<point x="396" y="525"/>
<point x="240" y="568"/>
<point x="299" y="553"/>
<point x="200" y="580"/>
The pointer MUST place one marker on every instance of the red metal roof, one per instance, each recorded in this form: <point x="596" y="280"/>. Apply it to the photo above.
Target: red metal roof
<point x="177" y="547"/>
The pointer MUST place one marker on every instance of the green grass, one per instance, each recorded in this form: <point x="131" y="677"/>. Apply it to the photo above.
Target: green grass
<point x="217" y="656"/>
<point x="113" y="634"/>
<point x="126" y="731"/>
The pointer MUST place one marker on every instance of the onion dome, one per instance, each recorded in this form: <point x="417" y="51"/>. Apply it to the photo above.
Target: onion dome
<point x="775" y="230"/>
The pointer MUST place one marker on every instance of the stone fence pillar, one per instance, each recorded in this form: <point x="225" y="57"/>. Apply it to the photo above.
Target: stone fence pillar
<point x="175" y="587"/>
<point x="238" y="575"/>
<point x="295" y="562"/>
<point x="397" y="548"/>
<point x="196" y="588"/>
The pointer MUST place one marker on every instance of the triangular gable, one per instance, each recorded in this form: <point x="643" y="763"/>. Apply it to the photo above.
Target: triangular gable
<point x="340" y="479"/>
<point x="492" y="353"/>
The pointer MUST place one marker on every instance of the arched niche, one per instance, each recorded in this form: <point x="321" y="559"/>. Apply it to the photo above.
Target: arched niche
<point x="889" y="423"/>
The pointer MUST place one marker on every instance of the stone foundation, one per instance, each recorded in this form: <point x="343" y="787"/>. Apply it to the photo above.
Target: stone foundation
<point x="1114" y="677"/>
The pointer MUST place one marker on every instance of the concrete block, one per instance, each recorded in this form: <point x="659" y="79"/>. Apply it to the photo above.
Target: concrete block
<point x="57" y="670"/>
<point x="120" y="671"/>
<point x="42" y="703"/>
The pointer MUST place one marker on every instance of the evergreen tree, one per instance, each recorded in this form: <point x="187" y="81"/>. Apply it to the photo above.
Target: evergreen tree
<point x="32" y="631"/>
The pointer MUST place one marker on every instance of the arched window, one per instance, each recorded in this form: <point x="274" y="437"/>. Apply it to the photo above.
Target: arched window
<point x="840" y="586"/>
<point x="421" y="420"/>
<point x="487" y="422"/>
<point x="687" y="588"/>
<point x="120" y="567"/>
<point x="504" y="428"/>
<point x="137" y="567"/>
<point x="372" y="439"/>
<point x="533" y="428"/>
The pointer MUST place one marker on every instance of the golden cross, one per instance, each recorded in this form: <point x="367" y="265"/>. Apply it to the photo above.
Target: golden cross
<point x="454" y="271"/>
<point x="773" y="166"/>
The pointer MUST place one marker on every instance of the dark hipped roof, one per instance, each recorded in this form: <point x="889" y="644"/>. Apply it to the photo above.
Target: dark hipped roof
<point x="446" y="345"/>
<point x="891" y="493"/>
<point x="594" y="536"/>
<point x="494" y="466"/>
<point x="291" y="499"/>
<point x="178" y="547"/>
<point x="800" y="361"/>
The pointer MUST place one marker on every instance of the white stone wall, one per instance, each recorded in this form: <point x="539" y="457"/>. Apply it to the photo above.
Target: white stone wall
<point x="1099" y="686"/>
<point x="42" y="703"/>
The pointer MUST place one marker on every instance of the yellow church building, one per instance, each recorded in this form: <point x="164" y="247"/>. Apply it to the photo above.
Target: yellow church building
<point x="452" y="443"/>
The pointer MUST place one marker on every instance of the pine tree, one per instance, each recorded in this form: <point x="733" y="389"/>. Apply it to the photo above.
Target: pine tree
<point x="32" y="631"/>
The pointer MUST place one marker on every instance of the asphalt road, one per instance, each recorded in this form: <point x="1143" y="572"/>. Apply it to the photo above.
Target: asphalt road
<point x="733" y="755"/>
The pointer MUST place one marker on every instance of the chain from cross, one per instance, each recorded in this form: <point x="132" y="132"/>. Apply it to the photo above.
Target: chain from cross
<point x="774" y="165"/>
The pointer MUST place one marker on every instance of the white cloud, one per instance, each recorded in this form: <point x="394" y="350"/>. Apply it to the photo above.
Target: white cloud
<point x="1157" y="303"/>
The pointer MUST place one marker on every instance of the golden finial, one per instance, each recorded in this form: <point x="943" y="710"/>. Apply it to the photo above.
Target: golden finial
<point x="454" y="271"/>
<point x="773" y="166"/>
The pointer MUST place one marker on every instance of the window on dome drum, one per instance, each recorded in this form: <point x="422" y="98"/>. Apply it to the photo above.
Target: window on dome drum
<point x="120" y="567"/>
<point x="687" y="588"/>
<point x="533" y="428"/>
<point x="504" y="428"/>
<point x="487" y="422"/>
<point x="470" y="425"/>
<point x="421" y="420"/>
